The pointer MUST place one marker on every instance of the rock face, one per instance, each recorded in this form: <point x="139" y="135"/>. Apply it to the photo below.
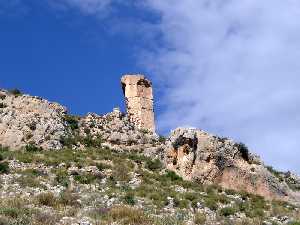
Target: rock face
<point x="25" y="119"/>
<point x="118" y="132"/>
<point x="198" y="156"/>
<point x="139" y="101"/>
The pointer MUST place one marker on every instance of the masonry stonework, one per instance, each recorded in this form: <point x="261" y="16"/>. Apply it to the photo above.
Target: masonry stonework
<point x="139" y="101"/>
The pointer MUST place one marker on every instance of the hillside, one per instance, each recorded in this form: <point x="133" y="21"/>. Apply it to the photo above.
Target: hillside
<point x="102" y="169"/>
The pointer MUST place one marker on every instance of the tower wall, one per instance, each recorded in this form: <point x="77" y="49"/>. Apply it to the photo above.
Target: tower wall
<point x="139" y="101"/>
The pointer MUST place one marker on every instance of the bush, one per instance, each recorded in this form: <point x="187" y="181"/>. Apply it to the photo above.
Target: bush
<point x="46" y="199"/>
<point x="173" y="176"/>
<point x="32" y="148"/>
<point x="153" y="164"/>
<point x="88" y="141"/>
<point x="243" y="149"/>
<point x="162" y="139"/>
<point x="127" y="215"/>
<point x="2" y="105"/>
<point x="294" y="223"/>
<point x="68" y="141"/>
<point x="67" y="198"/>
<point x="72" y="121"/>
<point x="227" y="211"/>
<point x="62" y="177"/>
<point x="211" y="203"/>
<point x="200" y="219"/>
<point x="191" y="196"/>
<point x="120" y="172"/>
<point x="103" y="166"/>
<point x="15" y="92"/>
<point x="85" y="179"/>
<point x="129" y="199"/>
<point x="4" y="168"/>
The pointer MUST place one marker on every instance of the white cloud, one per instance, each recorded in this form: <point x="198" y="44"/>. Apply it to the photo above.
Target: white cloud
<point x="232" y="67"/>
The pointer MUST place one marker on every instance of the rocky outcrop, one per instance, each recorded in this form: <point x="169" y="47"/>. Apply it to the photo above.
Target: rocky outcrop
<point x="27" y="120"/>
<point x="31" y="120"/>
<point x="191" y="153"/>
<point x="119" y="133"/>
<point x="207" y="159"/>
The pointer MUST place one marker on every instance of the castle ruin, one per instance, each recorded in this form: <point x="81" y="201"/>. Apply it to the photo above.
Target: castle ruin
<point x="139" y="101"/>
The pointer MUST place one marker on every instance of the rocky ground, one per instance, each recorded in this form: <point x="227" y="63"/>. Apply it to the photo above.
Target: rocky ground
<point x="57" y="168"/>
<point x="101" y="186"/>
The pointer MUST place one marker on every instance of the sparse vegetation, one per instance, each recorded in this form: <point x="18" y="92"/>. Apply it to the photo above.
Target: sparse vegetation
<point x="162" y="139"/>
<point x="15" y="92"/>
<point x="200" y="218"/>
<point x="32" y="148"/>
<point x="244" y="151"/>
<point x="157" y="186"/>
<point x="227" y="211"/>
<point x="153" y="164"/>
<point x="4" y="168"/>
<point x="72" y="121"/>
<point x="2" y="105"/>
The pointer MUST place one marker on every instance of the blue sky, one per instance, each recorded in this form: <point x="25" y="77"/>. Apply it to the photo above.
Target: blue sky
<point x="228" y="67"/>
<point x="64" y="56"/>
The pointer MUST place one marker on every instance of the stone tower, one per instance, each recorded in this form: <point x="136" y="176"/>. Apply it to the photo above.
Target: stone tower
<point x="139" y="101"/>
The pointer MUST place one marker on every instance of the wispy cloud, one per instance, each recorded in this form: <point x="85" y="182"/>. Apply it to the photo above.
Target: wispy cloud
<point x="232" y="67"/>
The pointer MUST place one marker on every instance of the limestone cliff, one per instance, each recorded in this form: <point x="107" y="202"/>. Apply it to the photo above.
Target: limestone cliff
<point x="25" y="119"/>
<point x="202" y="157"/>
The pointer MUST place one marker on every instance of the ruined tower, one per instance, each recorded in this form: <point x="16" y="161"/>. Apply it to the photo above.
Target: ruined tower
<point x="139" y="101"/>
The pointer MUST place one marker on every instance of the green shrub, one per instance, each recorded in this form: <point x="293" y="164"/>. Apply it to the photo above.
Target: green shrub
<point x="89" y="141"/>
<point x="68" y="141"/>
<point x="162" y="139"/>
<point x="72" y="121"/>
<point x="211" y="203"/>
<point x="294" y="223"/>
<point x="173" y="176"/>
<point x="103" y="166"/>
<point x="200" y="218"/>
<point x="46" y="199"/>
<point x="28" y="181"/>
<point x="85" y="179"/>
<point x="230" y="192"/>
<point x="32" y="148"/>
<point x="1" y="157"/>
<point x="191" y="196"/>
<point x="129" y="199"/>
<point x="67" y="198"/>
<point x="244" y="151"/>
<point x="120" y="172"/>
<point x="126" y="216"/>
<point x="227" y="211"/>
<point x="183" y="204"/>
<point x="4" y="168"/>
<point x="62" y="177"/>
<point x="15" y="92"/>
<point x="153" y="164"/>
<point x="274" y="172"/>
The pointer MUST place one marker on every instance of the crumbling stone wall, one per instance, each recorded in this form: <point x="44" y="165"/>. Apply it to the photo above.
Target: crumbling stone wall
<point x="139" y="101"/>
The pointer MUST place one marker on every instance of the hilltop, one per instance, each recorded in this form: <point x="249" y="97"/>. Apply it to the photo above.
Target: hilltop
<point x="57" y="168"/>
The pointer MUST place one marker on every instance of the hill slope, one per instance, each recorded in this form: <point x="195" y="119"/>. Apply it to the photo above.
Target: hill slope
<point x="64" y="168"/>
